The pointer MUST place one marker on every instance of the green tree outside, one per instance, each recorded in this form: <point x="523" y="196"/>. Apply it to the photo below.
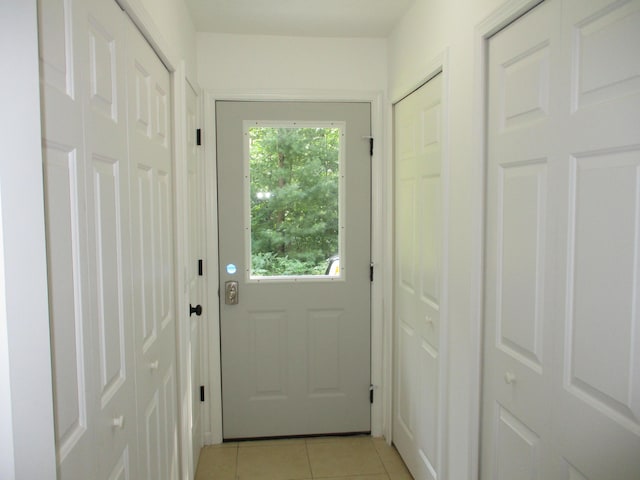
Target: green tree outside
<point x="294" y="199"/>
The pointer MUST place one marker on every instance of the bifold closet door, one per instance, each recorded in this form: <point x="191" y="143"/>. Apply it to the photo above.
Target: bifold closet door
<point x="99" y="296"/>
<point x="150" y="140"/>
<point x="561" y="371"/>
<point x="88" y="238"/>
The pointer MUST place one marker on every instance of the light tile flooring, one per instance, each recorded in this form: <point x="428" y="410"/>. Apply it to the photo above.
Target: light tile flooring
<point x="338" y="458"/>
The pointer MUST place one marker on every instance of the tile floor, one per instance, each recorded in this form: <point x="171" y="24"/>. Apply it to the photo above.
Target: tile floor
<point x="338" y="458"/>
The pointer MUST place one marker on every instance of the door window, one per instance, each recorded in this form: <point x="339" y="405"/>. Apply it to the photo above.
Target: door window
<point x="293" y="181"/>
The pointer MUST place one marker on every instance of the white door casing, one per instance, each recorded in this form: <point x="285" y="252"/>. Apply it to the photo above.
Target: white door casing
<point x="272" y="341"/>
<point x="419" y="323"/>
<point x="560" y="373"/>
<point x="112" y="314"/>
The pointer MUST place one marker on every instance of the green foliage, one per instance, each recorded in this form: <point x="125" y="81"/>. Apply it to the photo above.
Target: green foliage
<point x="296" y="222"/>
<point x="269" y="264"/>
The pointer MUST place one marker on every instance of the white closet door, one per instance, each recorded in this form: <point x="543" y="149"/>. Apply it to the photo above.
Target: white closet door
<point x="195" y="271"/>
<point x="561" y="376"/>
<point x="106" y="155"/>
<point x="109" y="243"/>
<point x="108" y="213"/>
<point x="65" y="169"/>
<point x="150" y="156"/>
<point x="517" y="368"/>
<point x="597" y="387"/>
<point x="417" y="419"/>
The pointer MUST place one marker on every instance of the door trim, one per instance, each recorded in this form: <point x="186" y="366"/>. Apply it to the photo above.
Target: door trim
<point x="496" y="21"/>
<point x="380" y="174"/>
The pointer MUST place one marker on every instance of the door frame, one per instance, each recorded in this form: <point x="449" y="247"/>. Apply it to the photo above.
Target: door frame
<point x="380" y="298"/>
<point x="501" y="17"/>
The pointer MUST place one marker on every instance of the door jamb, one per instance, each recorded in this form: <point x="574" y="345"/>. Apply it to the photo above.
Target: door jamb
<point x="379" y="219"/>
<point x="496" y="21"/>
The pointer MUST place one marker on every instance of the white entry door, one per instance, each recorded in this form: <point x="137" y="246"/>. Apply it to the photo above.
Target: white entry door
<point x="418" y="425"/>
<point x="561" y="396"/>
<point x="294" y="191"/>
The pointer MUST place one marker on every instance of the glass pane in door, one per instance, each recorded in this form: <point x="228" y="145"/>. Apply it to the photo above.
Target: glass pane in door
<point x="294" y="185"/>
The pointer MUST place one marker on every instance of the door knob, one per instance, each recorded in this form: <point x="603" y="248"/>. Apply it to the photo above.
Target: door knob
<point x="509" y="378"/>
<point x="197" y="310"/>
<point x="118" y="422"/>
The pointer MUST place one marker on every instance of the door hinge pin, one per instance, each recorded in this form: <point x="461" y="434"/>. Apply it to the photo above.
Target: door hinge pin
<point x="202" y="393"/>
<point x="371" y="388"/>
<point x="371" y="272"/>
<point x="198" y="136"/>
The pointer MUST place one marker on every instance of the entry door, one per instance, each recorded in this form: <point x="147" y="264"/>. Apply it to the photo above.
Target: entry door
<point x="561" y="372"/>
<point x="195" y="267"/>
<point x="419" y="214"/>
<point x="294" y="192"/>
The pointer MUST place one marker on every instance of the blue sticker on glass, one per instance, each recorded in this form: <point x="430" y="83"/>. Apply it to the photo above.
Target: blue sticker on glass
<point x="231" y="269"/>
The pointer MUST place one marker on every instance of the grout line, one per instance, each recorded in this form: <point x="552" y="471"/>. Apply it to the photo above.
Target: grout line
<point x="237" y="475"/>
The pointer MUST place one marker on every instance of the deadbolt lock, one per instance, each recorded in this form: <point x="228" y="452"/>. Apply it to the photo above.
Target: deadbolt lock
<point x="231" y="293"/>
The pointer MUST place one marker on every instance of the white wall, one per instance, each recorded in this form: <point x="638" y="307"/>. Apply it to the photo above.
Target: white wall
<point x="172" y="28"/>
<point x="427" y="30"/>
<point x="258" y="64"/>
<point x="26" y="403"/>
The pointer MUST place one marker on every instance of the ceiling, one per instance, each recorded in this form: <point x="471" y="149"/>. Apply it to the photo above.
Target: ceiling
<point x="313" y="18"/>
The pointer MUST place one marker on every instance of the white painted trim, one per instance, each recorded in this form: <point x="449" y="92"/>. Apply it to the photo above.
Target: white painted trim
<point x="496" y="21"/>
<point x="379" y="296"/>
<point x="438" y="65"/>
<point x="26" y="400"/>
<point x="180" y="214"/>
<point x="143" y="20"/>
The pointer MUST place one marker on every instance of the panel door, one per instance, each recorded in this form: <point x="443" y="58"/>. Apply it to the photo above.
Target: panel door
<point x="103" y="76"/>
<point x="150" y="151"/>
<point x="597" y="386"/>
<point x="419" y="213"/>
<point x="62" y="44"/>
<point x="518" y="358"/>
<point x="296" y="348"/>
<point x="195" y="271"/>
<point x="560" y="378"/>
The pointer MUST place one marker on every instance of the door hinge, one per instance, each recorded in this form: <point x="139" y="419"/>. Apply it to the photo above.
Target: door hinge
<point x="370" y="138"/>
<point x="371" y="272"/>
<point x="200" y="268"/>
<point x="202" y="393"/>
<point x="371" y="394"/>
<point x="198" y="137"/>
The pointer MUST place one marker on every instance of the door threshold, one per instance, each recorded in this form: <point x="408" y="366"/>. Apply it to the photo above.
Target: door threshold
<point x="289" y="437"/>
